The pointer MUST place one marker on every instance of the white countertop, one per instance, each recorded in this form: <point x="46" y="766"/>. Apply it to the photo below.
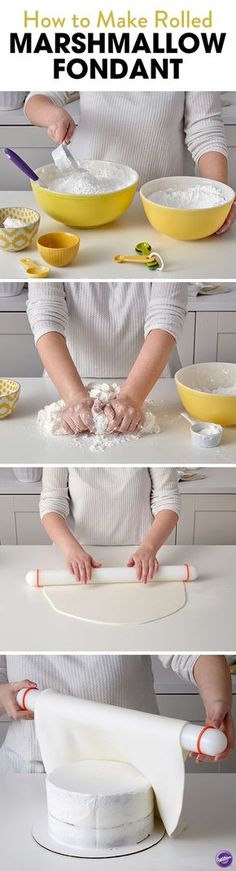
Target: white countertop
<point x="213" y="258"/>
<point x="22" y="441"/>
<point x="207" y="622"/>
<point x="209" y="811"/>
<point x="15" y="303"/>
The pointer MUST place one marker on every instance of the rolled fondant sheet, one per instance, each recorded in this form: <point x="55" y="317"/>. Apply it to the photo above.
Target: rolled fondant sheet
<point x="111" y="575"/>
<point x="70" y="729"/>
<point x="118" y="604"/>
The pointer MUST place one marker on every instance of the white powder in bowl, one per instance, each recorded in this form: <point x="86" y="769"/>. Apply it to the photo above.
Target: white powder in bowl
<point x="93" y="177"/>
<point x="84" y="184"/>
<point x="11" y="223"/>
<point x="195" y="197"/>
<point x="220" y="391"/>
<point x="49" y="419"/>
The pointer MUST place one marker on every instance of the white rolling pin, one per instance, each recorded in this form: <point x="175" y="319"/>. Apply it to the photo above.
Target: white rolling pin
<point x="207" y="740"/>
<point x="113" y="575"/>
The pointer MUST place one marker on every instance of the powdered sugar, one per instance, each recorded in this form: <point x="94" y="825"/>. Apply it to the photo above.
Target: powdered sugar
<point x="193" y="197"/>
<point x="93" y="177"/>
<point x="49" y="419"/>
<point x="220" y="391"/>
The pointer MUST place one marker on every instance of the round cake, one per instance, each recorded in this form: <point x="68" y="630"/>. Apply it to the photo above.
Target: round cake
<point x="99" y="804"/>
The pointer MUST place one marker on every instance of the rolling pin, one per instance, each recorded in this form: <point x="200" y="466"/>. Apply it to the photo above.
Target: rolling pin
<point x="193" y="739"/>
<point x="104" y="575"/>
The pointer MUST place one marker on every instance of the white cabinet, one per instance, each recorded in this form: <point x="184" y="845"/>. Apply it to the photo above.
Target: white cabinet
<point x="32" y="144"/>
<point x="18" y="355"/>
<point x="207" y="519"/>
<point x="20" y="521"/>
<point x="215" y="338"/>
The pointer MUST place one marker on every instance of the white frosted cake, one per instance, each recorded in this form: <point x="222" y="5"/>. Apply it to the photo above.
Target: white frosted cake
<point x="99" y="804"/>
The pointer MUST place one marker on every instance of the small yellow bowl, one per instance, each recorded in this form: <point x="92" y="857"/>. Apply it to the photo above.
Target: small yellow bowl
<point x="185" y="224"/>
<point x="58" y="249"/>
<point x="216" y="407"/>
<point x="9" y="394"/>
<point x="18" y="238"/>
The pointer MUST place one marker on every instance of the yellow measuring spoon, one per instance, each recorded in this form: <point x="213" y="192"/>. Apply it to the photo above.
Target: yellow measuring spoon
<point x="132" y="258"/>
<point x="33" y="269"/>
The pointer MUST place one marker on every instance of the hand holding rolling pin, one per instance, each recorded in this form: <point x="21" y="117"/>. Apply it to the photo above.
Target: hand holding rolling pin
<point x="214" y="684"/>
<point x="8" y="700"/>
<point x="145" y="562"/>
<point x="144" y="559"/>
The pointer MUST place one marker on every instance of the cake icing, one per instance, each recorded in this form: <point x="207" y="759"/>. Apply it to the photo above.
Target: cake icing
<point x="99" y="804"/>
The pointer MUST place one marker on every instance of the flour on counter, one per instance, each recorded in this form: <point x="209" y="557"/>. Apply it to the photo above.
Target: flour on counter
<point x="195" y="197"/>
<point x="49" y="419"/>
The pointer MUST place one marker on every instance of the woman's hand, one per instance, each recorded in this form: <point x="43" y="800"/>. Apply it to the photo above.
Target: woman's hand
<point x="8" y="702"/>
<point x="145" y="562"/>
<point x="80" y="563"/>
<point x="62" y="127"/>
<point x="219" y="715"/>
<point x="78" y="417"/>
<point x="229" y="221"/>
<point x="124" y="415"/>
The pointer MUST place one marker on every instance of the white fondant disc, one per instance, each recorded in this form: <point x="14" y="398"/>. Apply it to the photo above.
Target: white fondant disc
<point x="120" y="604"/>
<point x="41" y="836"/>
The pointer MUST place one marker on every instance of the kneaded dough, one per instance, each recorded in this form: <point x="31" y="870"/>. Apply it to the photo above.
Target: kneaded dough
<point x="118" y="603"/>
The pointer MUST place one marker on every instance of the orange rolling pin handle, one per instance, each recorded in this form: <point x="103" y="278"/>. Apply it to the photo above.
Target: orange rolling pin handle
<point x="187" y="579"/>
<point x="23" y="705"/>
<point x="203" y="730"/>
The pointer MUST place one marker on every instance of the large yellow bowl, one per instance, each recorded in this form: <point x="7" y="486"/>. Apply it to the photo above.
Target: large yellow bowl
<point x="185" y="224"/>
<point x="90" y="210"/>
<point x="9" y="394"/>
<point x="218" y="408"/>
<point x="18" y="238"/>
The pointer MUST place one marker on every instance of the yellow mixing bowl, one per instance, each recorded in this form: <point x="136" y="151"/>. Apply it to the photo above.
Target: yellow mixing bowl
<point x="9" y="394"/>
<point x="218" y="408"/>
<point x="18" y="238"/>
<point x="185" y="224"/>
<point x="90" y="210"/>
<point x="58" y="249"/>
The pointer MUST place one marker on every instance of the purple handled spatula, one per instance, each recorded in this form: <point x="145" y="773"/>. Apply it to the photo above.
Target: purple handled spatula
<point x="24" y="167"/>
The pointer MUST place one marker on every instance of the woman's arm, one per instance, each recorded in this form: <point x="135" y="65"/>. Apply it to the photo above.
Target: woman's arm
<point x="47" y="111"/>
<point x="214" y="165"/>
<point x="205" y="139"/>
<point x="144" y="558"/>
<point x="79" y="562"/>
<point x="77" y="416"/>
<point x="48" y="317"/>
<point x="213" y="679"/>
<point x="166" y="311"/>
<point x="125" y="413"/>
<point x="54" y="510"/>
<point x="165" y="506"/>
